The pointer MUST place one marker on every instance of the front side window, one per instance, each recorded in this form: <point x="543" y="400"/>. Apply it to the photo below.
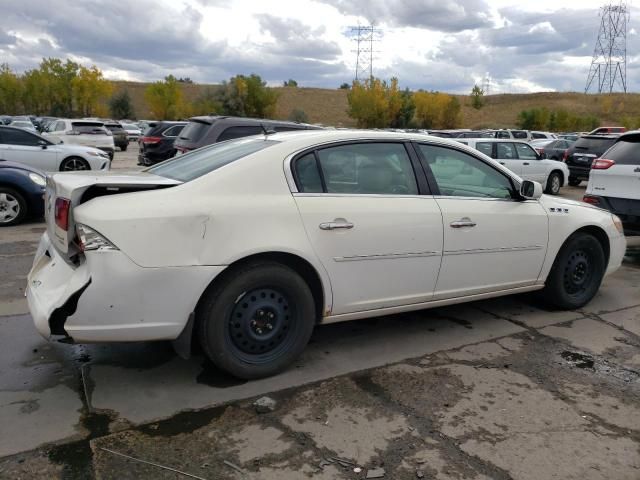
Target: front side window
<point x="20" y="137"/>
<point x="520" y="134"/>
<point x="525" y="152"/>
<point x="361" y="168"/>
<point x="503" y="134"/>
<point x="459" y="174"/>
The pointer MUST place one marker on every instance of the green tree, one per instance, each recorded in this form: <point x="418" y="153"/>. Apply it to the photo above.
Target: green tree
<point x="10" y="90"/>
<point x="89" y="88"/>
<point x="207" y="103"/>
<point x="477" y="97"/>
<point x="290" y="83"/>
<point x="298" y="115"/>
<point x="165" y="99"/>
<point x="248" y="97"/>
<point x="404" y="117"/>
<point x="345" y="86"/>
<point x="56" y="80"/>
<point x="452" y="115"/>
<point x="120" y="106"/>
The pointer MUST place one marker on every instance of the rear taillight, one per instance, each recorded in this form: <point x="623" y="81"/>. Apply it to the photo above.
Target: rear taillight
<point x="61" y="213"/>
<point x="591" y="199"/>
<point x="565" y="156"/>
<point x="602" y="164"/>
<point x="151" y="140"/>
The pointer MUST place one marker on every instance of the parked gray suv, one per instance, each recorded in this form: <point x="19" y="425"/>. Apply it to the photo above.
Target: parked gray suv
<point x="201" y="131"/>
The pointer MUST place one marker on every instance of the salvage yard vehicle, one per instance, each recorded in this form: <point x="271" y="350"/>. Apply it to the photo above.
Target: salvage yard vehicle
<point x="90" y="133"/>
<point x="21" y="193"/>
<point x="614" y="182"/>
<point x="31" y="149"/>
<point x="246" y="245"/>
<point x="522" y="159"/>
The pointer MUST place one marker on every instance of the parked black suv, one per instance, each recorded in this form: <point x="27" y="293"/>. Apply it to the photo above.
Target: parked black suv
<point x="156" y="145"/>
<point x="583" y="152"/>
<point x="120" y="137"/>
<point x="203" y="131"/>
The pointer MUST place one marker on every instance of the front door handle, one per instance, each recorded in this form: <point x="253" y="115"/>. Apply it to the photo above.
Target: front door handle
<point x="501" y="163"/>
<point x="526" y="163"/>
<point x="637" y="170"/>
<point x="463" y="222"/>
<point x="336" y="225"/>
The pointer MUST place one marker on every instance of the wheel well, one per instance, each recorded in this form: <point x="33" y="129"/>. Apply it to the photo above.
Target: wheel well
<point x="562" y="179"/>
<point x="69" y="158"/>
<point x="296" y="263"/>
<point x="19" y="189"/>
<point x="601" y="236"/>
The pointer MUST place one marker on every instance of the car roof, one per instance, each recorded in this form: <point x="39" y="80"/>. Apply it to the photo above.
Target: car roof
<point x="498" y="140"/>
<point x="211" y="119"/>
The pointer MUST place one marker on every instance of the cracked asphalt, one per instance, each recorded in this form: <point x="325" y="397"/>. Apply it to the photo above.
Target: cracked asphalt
<point x="498" y="389"/>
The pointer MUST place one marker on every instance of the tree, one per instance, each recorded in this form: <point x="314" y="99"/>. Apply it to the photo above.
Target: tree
<point x="10" y="90"/>
<point x="477" y="97"/>
<point x="404" y="117"/>
<point x="374" y="103"/>
<point x="57" y="85"/>
<point x="298" y="115"/>
<point x="89" y="87"/>
<point x="207" y="103"/>
<point x="248" y="97"/>
<point x="451" y="115"/>
<point x="345" y="86"/>
<point x="290" y="83"/>
<point x="165" y="99"/>
<point x="430" y="108"/>
<point x="120" y="106"/>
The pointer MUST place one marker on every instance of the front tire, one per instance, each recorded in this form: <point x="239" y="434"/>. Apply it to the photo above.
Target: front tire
<point x="13" y="207"/>
<point x="256" y="322"/>
<point x="576" y="273"/>
<point x="72" y="164"/>
<point x="554" y="182"/>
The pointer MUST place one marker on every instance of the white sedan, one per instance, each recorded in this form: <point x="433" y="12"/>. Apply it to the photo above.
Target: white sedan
<point x="521" y="158"/>
<point x="29" y="148"/>
<point x="246" y="245"/>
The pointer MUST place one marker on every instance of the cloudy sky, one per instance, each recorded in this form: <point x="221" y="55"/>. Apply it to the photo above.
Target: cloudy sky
<point x="523" y="45"/>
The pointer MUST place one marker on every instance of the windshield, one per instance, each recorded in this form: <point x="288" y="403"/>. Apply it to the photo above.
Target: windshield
<point x="88" y="127"/>
<point x="204" y="160"/>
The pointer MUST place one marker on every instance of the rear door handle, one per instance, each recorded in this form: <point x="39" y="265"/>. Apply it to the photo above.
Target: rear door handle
<point x="526" y="163"/>
<point x="463" y="222"/>
<point x="501" y="163"/>
<point x="336" y="225"/>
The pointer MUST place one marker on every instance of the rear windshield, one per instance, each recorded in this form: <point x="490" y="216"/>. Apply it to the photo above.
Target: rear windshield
<point x="625" y="152"/>
<point x="594" y="145"/>
<point x="204" y="160"/>
<point x="114" y="128"/>
<point x="88" y="127"/>
<point x="194" y="131"/>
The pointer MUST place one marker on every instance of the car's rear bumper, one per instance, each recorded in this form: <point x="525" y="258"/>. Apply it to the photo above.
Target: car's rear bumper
<point x="109" y="298"/>
<point x="579" y="172"/>
<point x="627" y="209"/>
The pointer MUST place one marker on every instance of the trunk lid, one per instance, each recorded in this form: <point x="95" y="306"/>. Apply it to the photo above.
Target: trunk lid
<point x="80" y="187"/>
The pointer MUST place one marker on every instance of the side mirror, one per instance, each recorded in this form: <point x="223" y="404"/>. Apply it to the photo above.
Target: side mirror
<point x="43" y="144"/>
<point x="530" y="190"/>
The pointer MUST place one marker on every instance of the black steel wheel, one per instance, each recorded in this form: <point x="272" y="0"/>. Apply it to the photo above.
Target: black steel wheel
<point x="256" y="322"/>
<point x="577" y="272"/>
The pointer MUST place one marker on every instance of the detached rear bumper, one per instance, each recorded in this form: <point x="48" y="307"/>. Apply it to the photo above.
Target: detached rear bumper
<point x="108" y="298"/>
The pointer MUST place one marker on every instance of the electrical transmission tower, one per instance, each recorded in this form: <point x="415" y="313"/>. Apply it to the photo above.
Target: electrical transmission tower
<point x="486" y="84"/>
<point x="608" y="72"/>
<point x="364" y="36"/>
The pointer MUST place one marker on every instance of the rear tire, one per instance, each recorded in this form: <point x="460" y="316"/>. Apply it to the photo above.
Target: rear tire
<point x="574" y="182"/>
<point x="576" y="273"/>
<point x="13" y="207"/>
<point x="554" y="182"/>
<point x="256" y="322"/>
<point x="123" y="147"/>
<point x="72" y="164"/>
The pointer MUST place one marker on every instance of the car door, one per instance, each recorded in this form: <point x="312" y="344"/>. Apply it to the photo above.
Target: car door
<point x="24" y="147"/>
<point x="505" y="153"/>
<point x="533" y="167"/>
<point x="492" y="240"/>
<point x="371" y="223"/>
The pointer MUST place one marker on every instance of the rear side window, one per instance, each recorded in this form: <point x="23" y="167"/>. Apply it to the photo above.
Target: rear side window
<point x="506" y="151"/>
<point x="503" y="135"/>
<point x="173" y="131"/>
<point x="205" y="160"/>
<point x="308" y="175"/>
<point x="194" y="131"/>
<point x="239" y="132"/>
<point x="520" y="134"/>
<point x="535" y="135"/>
<point x="625" y="152"/>
<point x="485" y="147"/>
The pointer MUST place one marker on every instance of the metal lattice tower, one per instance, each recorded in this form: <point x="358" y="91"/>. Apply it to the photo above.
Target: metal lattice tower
<point x="364" y="36"/>
<point x="486" y="84"/>
<point x="608" y="72"/>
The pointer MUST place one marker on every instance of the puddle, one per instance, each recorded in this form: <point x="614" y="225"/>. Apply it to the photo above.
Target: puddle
<point x="578" y="360"/>
<point x="185" y="422"/>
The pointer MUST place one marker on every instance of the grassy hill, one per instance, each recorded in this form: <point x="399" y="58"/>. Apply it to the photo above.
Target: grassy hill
<point x="329" y="106"/>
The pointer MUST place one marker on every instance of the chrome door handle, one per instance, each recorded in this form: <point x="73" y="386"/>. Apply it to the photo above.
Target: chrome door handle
<point x="463" y="222"/>
<point x="336" y="225"/>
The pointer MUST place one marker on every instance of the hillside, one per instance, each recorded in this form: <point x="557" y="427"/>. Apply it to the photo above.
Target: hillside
<point x="329" y="107"/>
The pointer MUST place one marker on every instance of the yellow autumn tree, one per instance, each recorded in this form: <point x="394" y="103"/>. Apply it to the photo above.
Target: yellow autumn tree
<point x="89" y="88"/>
<point x="165" y="99"/>
<point x="374" y="103"/>
<point x="436" y="110"/>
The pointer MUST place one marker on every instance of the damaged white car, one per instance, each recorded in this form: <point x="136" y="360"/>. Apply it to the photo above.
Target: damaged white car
<point x="246" y="245"/>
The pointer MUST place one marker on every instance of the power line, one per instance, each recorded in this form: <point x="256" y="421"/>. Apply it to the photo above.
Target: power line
<point x="364" y="36"/>
<point x="608" y="71"/>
